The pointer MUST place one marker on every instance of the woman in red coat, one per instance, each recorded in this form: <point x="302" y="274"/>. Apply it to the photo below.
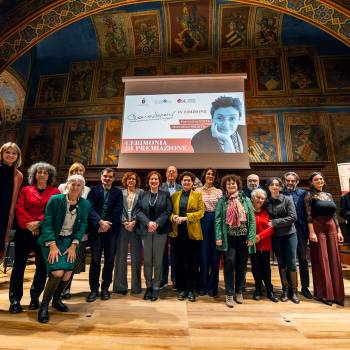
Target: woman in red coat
<point x="30" y="208"/>
<point x="261" y="259"/>
<point x="10" y="182"/>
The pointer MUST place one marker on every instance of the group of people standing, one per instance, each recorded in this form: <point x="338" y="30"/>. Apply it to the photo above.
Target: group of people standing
<point x="189" y="224"/>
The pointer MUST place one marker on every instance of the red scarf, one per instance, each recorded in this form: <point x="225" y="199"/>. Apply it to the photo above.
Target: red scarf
<point x="235" y="213"/>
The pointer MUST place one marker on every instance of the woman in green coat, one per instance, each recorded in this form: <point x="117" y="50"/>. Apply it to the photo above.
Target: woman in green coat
<point x="64" y="225"/>
<point x="235" y="235"/>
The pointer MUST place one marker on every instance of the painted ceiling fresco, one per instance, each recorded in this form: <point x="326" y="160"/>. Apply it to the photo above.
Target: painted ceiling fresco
<point x="190" y="26"/>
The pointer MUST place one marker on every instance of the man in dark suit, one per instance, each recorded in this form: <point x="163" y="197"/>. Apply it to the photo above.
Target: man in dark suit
<point x="291" y="181"/>
<point x="226" y="134"/>
<point x="169" y="186"/>
<point x="106" y="207"/>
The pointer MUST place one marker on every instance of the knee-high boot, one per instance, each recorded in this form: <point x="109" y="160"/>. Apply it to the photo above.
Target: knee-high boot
<point x="66" y="292"/>
<point x="293" y="287"/>
<point x="284" y="282"/>
<point x="56" y="300"/>
<point x="50" y="288"/>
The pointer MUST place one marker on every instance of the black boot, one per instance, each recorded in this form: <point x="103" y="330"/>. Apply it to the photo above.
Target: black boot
<point x="56" y="300"/>
<point x="284" y="281"/>
<point x="66" y="292"/>
<point x="293" y="287"/>
<point x="51" y="286"/>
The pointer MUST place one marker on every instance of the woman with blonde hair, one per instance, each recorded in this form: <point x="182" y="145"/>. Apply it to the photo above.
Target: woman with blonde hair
<point x="76" y="168"/>
<point x="10" y="182"/>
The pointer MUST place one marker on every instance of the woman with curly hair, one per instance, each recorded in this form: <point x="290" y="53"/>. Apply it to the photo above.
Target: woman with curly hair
<point x="235" y="235"/>
<point x="324" y="235"/>
<point x="30" y="209"/>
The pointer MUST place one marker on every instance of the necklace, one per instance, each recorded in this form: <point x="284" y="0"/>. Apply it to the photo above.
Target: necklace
<point x="154" y="203"/>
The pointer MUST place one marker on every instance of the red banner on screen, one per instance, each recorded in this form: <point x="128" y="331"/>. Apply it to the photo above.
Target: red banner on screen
<point x="156" y="146"/>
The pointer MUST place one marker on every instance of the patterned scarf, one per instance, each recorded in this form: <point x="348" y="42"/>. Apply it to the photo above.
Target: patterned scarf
<point x="235" y="213"/>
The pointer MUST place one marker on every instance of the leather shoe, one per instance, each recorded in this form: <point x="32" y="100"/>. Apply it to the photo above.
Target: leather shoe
<point x="59" y="306"/>
<point x="122" y="292"/>
<point x="34" y="304"/>
<point x="284" y="296"/>
<point x="272" y="296"/>
<point x="15" y="307"/>
<point x="148" y="294"/>
<point x="181" y="295"/>
<point x="43" y="313"/>
<point x="191" y="296"/>
<point x="327" y="302"/>
<point x="306" y="293"/>
<point x="257" y="294"/>
<point x="92" y="296"/>
<point x="105" y="294"/>
<point x="155" y="295"/>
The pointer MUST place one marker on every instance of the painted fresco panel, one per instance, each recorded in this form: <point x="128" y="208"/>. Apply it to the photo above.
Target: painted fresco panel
<point x="111" y="141"/>
<point x="81" y="78"/>
<point x="80" y="142"/>
<point x="113" y="32"/>
<point x="238" y="66"/>
<point x="341" y="136"/>
<point x="263" y="138"/>
<point x="267" y="28"/>
<point x="336" y="72"/>
<point x="302" y="74"/>
<point x="193" y="67"/>
<point x="109" y="87"/>
<point x="146" y="29"/>
<point x="233" y="26"/>
<point x="51" y="90"/>
<point x="189" y="27"/>
<point x="306" y="137"/>
<point x="41" y="143"/>
<point x="269" y="75"/>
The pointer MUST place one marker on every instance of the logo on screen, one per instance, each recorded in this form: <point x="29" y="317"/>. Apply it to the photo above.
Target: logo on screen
<point x="162" y="101"/>
<point x="186" y="100"/>
<point x="143" y="102"/>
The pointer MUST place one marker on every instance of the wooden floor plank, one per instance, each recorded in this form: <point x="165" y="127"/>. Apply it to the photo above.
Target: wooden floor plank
<point x="129" y="322"/>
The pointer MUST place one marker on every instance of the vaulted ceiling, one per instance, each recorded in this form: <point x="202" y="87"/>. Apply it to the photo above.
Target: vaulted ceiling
<point x="24" y="24"/>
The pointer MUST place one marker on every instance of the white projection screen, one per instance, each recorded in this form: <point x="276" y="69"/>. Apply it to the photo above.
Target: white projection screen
<point x="191" y="121"/>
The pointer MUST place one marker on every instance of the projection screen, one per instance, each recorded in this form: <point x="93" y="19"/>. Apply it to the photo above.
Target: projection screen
<point x="187" y="121"/>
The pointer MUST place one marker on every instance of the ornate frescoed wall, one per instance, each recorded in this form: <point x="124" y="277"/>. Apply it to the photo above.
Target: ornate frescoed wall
<point x="297" y="88"/>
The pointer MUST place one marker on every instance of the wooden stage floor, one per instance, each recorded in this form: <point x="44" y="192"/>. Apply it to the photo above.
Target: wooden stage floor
<point x="129" y="322"/>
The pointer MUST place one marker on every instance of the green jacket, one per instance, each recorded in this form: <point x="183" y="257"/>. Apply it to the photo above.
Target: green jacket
<point x="55" y="213"/>
<point x="221" y="226"/>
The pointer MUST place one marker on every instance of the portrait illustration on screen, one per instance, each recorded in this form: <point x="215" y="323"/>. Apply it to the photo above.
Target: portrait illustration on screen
<point x="224" y="133"/>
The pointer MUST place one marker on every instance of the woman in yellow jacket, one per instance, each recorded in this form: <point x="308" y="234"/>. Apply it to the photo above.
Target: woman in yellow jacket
<point x="188" y="209"/>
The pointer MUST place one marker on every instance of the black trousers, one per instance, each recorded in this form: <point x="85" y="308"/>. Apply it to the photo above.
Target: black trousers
<point x="302" y="255"/>
<point x="186" y="258"/>
<point x="235" y="264"/>
<point x="25" y="242"/>
<point x="261" y="269"/>
<point x="105" y="243"/>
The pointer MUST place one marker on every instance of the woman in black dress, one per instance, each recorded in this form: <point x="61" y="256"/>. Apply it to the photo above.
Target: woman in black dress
<point x="324" y="235"/>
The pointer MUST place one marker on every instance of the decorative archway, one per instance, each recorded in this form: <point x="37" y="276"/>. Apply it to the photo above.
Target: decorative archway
<point x="12" y="96"/>
<point x="326" y="15"/>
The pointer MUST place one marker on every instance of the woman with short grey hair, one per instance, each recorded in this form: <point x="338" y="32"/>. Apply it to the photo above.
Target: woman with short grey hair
<point x="30" y="208"/>
<point x="48" y="168"/>
<point x="261" y="258"/>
